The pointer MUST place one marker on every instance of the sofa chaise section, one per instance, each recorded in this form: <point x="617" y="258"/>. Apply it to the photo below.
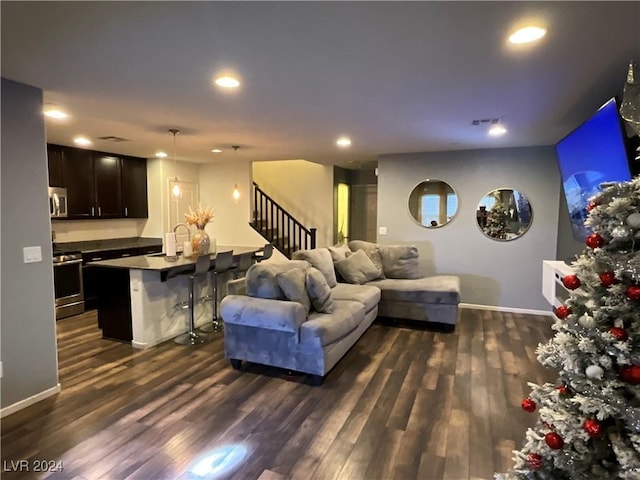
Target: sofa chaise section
<point x="431" y="299"/>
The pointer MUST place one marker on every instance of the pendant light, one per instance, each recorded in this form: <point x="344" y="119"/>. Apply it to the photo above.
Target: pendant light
<point x="175" y="185"/>
<point x="236" y="191"/>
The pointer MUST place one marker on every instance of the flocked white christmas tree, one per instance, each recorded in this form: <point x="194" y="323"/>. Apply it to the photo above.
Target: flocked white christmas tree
<point x="497" y="221"/>
<point x="589" y="421"/>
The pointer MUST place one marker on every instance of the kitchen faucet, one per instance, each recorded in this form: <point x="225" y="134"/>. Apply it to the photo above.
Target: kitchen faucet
<point x="185" y="226"/>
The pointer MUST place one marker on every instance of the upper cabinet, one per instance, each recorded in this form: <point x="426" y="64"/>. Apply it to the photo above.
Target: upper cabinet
<point x="55" y="156"/>
<point x="107" y="172"/>
<point x="78" y="180"/>
<point x="99" y="185"/>
<point x="134" y="187"/>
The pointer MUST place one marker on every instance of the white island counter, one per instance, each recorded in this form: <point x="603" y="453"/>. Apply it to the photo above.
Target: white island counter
<point x="138" y="296"/>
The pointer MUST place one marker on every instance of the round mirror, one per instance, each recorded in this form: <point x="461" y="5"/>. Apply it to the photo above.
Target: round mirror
<point x="504" y="214"/>
<point x="433" y="203"/>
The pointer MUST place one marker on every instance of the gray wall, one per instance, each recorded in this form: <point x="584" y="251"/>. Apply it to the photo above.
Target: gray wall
<point x="568" y="248"/>
<point x="494" y="273"/>
<point x="27" y="327"/>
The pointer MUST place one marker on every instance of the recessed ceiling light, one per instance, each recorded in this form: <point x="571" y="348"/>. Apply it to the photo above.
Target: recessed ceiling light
<point x="53" y="112"/>
<point x="82" y="141"/>
<point x="497" y="131"/>
<point x="527" y="34"/>
<point x="343" y="142"/>
<point x="227" y="82"/>
<point x="216" y="150"/>
<point x="161" y="155"/>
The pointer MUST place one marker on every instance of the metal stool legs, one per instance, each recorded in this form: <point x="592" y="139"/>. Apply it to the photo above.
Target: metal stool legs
<point x="192" y="337"/>
<point x="215" y="325"/>
<point x="223" y="263"/>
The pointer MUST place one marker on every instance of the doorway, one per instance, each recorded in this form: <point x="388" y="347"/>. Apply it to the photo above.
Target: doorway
<point x="342" y="223"/>
<point x="177" y="207"/>
<point x="364" y="212"/>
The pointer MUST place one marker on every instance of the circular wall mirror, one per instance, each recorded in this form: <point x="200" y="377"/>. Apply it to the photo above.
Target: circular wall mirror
<point x="433" y="203"/>
<point x="504" y="214"/>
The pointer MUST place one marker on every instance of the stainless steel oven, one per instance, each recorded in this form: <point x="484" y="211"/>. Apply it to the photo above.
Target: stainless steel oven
<point x="67" y="279"/>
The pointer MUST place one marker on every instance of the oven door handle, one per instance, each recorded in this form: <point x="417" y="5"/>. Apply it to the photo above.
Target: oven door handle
<point x="67" y="262"/>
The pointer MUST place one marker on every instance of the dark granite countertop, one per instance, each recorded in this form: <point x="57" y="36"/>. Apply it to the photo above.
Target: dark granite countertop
<point x="159" y="262"/>
<point x="90" y="246"/>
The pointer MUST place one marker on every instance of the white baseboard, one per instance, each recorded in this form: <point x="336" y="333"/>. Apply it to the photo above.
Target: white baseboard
<point x="547" y="313"/>
<point x="29" y="401"/>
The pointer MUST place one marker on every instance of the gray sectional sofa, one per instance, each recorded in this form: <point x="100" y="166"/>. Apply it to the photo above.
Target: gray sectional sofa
<point x="405" y="292"/>
<point x="297" y="316"/>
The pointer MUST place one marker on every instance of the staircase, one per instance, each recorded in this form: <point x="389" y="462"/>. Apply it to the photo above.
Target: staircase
<point x="278" y="226"/>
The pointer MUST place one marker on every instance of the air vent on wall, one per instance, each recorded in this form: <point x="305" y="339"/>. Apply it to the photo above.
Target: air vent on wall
<point x="111" y="138"/>
<point x="485" y="121"/>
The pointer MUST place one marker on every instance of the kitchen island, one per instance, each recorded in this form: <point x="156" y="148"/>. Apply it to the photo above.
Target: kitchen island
<point x="138" y="296"/>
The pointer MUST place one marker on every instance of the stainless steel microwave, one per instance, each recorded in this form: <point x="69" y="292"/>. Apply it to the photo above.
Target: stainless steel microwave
<point x="58" y="202"/>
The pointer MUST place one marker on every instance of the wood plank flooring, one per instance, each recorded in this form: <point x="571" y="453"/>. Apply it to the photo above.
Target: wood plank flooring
<point x="404" y="403"/>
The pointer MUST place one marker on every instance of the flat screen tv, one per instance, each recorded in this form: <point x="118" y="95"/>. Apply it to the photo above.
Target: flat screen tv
<point x="592" y="154"/>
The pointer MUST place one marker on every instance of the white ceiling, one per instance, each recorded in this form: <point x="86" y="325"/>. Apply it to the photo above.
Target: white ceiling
<point x="395" y="76"/>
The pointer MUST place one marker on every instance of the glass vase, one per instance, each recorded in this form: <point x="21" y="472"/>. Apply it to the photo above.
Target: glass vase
<point x="200" y="242"/>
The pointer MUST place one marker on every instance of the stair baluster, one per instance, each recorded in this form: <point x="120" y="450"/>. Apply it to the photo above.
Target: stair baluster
<point x="278" y="226"/>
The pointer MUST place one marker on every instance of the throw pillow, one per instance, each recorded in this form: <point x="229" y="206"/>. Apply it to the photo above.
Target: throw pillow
<point x="321" y="259"/>
<point x="339" y="252"/>
<point x="293" y="284"/>
<point x="373" y="252"/>
<point x="357" y="268"/>
<point x="400" y="261"/>
<point x="319" y="291"/>
<point x="261" y="278"/>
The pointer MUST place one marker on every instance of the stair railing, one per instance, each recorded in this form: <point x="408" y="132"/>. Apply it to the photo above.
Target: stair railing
<point x="278" y="226"/>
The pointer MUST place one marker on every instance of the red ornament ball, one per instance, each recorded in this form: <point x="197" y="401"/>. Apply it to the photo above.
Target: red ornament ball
<point x="534" y="461"/>
<point x="607" y="278"/>
<point x="571" y="282"/>
<point x="633" y="292"/>
<point x="562" y="389"/>
<point x="630" y="374"/>
<point x="591" y="206"/>
<point x="528" y="405"/>
<point x="620" y="333"/>
<point x="554" y="440"/>
<point x="593" y="428"/>
<point x="563" y="312"/>
<point x="594" y="241"/>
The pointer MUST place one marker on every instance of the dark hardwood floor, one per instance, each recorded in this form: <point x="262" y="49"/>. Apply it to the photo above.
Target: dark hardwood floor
<point x="404" y="403"/>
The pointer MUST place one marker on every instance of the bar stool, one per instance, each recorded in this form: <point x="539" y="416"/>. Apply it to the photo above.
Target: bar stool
<point x="267" y="251"/>
<point x="203" y="263"/>
<point x="223" y="263"/>
<point x="246" y="260"/>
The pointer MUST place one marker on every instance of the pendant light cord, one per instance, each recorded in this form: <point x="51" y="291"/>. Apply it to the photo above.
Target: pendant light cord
<point x="176" y="188"/>
<point x="174" y="131"/>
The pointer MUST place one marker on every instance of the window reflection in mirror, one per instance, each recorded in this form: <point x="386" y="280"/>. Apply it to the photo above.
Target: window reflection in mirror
<point x="504" y="214"/>
<point x="433" y="203"/>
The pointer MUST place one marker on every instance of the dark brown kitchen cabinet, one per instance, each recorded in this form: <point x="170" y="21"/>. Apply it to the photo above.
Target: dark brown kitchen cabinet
<point x="107" y="173"/>
<point x="79" y="182"/>
<point x="55" y="161"/>
<point x="93" y="280"/>
<point x="99" y="184"/>
<point x="134" y="187"/>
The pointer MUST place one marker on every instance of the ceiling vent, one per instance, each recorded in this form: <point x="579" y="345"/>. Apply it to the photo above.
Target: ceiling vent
<point x="111" y="138"/>
<point x="486" y="121"/>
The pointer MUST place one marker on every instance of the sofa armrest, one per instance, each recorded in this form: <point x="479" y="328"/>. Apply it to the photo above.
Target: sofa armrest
<point x="271" y="314"/>
<point x="237" y="287"/>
